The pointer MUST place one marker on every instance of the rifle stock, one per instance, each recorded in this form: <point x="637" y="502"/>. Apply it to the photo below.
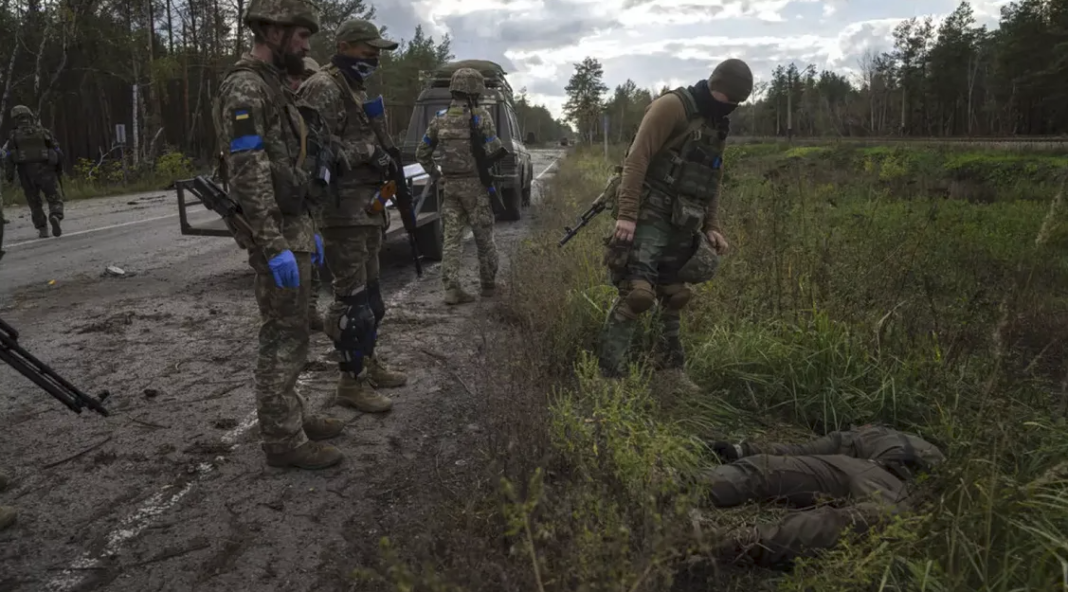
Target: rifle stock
<point x="12" y="354"/>
<point x="215" y="199"/>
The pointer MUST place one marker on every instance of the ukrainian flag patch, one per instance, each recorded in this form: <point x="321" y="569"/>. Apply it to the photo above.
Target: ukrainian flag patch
<point x="240" y="114"/>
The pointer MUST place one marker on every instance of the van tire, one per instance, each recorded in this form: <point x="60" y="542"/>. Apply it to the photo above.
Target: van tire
<point x="430" y="239"/>
<point x="513" y="204"/>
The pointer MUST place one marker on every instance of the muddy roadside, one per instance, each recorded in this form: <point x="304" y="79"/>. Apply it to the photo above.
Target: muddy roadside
<point x="171" y="492"/>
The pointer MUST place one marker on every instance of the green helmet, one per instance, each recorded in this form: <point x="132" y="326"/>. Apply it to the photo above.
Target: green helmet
<point x="299" y="13"/>
<point x="468" y="81"/>
<point x="732" y="78"/>
<point x="702" y="265"/>
<point x="21" y="111"/>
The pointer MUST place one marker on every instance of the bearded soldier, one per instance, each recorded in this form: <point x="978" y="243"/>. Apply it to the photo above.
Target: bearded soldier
<point x="352" y="233"/>
<point x="34" y="152"/>
<point x="667" y="235"/>
<point x="265" y="139"/>
<point x="466" y="200"/>
<point x="870" y="466"/>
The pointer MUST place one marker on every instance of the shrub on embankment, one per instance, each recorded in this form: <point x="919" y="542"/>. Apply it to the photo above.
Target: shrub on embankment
<point x="856" y="291"/>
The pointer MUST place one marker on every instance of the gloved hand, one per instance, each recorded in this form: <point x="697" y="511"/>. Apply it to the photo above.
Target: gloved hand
<point x="381" y="159"/>
<point x="395" y="153"/>
<point x="725" y="451"/>
<point x="285" y="270"/>
<point x="318" y="257"/>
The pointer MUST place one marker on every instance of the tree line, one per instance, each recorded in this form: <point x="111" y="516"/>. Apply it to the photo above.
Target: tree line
<point x="154" y="66"/>
<point x="954" y="79"/>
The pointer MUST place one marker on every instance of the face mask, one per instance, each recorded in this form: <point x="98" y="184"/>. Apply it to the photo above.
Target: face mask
<point x="361" y="67"/>
<point x="721" y="110"/>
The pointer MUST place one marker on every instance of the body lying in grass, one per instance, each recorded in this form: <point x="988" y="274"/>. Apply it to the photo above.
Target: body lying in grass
<point x="871" y="467"/>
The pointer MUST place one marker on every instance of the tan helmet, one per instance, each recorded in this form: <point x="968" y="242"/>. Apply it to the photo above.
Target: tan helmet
<point x="21" y="111"/>
<point x="299" y="13"/>
<point x="310" y="66"/>
<point x="733" y="78"/>
<point x="468" y="81"/>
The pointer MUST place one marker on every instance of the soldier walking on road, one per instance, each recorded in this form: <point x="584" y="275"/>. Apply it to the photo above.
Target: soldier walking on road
<point x="666" y="234"/>
<point x="870" y="466"/>
<point x="33" y="151"/>
<point x="466" y="200"/>
<point x="315" y="320"/>
<point x="266" y="139"/>
<point x="352" y="234"/>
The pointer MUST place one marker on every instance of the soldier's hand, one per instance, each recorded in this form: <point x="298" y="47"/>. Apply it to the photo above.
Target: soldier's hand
<point x="719" y="243"/>
<point x="625" y="230"/>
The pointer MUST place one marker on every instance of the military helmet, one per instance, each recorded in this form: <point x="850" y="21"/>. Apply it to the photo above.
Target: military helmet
<point x="21" y="111"/>
<point x="299" y="13"/>
<point x="310" y="66"/>
<point x="733" y="78"/>
<point x="702" y="265"/>
<point x="468" y="81"/>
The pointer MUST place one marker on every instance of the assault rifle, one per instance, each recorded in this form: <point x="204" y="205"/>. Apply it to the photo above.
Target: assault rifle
<point x="484" y="162"/>
<point x="402" y="192"/>
<point x="599" y="204"/>
<point x="12" y="354"/>
<point x="215" y="199"/>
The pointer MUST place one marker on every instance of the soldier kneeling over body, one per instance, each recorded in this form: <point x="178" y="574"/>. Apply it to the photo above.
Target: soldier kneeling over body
<point x="869" y="467"/>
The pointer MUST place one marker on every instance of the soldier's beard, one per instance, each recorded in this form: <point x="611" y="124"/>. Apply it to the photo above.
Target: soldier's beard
<point x="291" y="63"/>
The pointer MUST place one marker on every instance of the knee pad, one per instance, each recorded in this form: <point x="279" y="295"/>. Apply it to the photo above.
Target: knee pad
<point x="374" y="299"/>
<point x="639" y="299"/>
<point x="358" y="333"/>
<point x="674" y="296"/>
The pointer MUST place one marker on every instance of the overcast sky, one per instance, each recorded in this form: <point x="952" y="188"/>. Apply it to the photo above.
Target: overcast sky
<point x="658" y="42"/>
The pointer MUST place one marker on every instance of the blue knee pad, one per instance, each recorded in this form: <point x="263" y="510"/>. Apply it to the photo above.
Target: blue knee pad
<point x="358" y="333"/>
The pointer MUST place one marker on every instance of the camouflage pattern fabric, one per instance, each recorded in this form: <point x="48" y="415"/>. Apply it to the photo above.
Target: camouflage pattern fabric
<point x="466" y="203"/>
<point x="352" y="256"/>
<point x="702" y="265"/>
<point x="283" y="349"/>
<point x="31" y="152"/>
<point x="339" y="101"/>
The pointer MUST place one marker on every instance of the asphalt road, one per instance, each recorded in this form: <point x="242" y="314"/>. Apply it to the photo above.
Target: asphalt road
<point x="171" y="491"/>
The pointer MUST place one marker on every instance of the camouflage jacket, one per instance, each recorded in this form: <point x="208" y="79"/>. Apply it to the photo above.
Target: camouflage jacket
<point x="340" y="103"/>
<point x="450" y="130"/>
<point x="30" y="143"/>
<point x="263" y="137"/>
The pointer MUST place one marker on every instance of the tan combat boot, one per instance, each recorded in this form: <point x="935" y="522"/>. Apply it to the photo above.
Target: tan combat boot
<point x="457" y="296"/>
<point x="358" y="393"/>
<point x="676" y="381"/>
<point x="491" y="290"/>
<point x="309" y="455"/>
<point x="8" y="515"/>
<point x="318" y="427"/>
<point x="382" y="376"/>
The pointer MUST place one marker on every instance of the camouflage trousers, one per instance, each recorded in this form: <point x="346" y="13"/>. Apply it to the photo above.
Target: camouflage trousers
<point x="653" y="261"/>
<point x="466" y="203"/>
<point x="38" y="178"/>
<point x="352" y="256"/>
<point x="283" y="350"/>
<point x="804" y="481"/>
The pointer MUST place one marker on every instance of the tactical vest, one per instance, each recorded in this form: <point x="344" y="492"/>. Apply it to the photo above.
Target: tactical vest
<point x="688" y="175"/>
<point x="357" y="125"/>
<point x="30" y="144"/>
<point x="454" y="141"/>
<point x="289" y="174"/>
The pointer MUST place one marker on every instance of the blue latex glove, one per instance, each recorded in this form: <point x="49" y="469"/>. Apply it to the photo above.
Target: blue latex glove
<point x="285" y="270"/>
<point x="318" y="257"/>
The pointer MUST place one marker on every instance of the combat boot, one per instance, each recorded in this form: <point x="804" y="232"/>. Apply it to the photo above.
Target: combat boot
<point x="318" y="427"/>
<point x="675" y="380"/>
<point x="315" y="321"/>
<point x="357" y="393"/>
<point x="56" y="230"/>
<point x="309" y="455"/>
<point x="7" y="516"/>
<point x="382" y="376"/>
<point x="457" y="296"/>
<point x="490" y="290"/>
<point x="42" y="232"/>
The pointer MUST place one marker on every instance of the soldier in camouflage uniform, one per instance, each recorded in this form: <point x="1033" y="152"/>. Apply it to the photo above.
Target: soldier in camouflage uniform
<point x="34" y="152"/>
<point x="266" y="140"/>
<point x="352" y="234"/>
<point x="666" y="235"/>
<point x="466" y="200"/>
<point x="870" y="466"/>
<point x="315" y="320"/>
<point x="8" y="514"/>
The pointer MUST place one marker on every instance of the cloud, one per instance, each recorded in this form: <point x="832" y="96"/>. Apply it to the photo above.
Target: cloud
<point x="660" y="42"/>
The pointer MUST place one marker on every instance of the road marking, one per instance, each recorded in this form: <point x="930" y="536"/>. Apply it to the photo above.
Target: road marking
<point x="134" y="524"/>
<point x="80" y="232"/>
<point x="548" y="168"/>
